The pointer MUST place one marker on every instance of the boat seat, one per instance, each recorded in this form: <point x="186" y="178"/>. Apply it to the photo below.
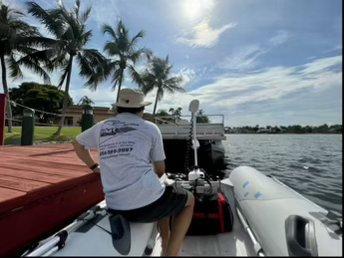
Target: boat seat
<point x="99" y="238"/>
<point x="121" y="237"/>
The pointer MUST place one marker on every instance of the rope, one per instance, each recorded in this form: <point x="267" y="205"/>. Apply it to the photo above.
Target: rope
<point x="36" y="123"/>
<point x="14" y="104"/>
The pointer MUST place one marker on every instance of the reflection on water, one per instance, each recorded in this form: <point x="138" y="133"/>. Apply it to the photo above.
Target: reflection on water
<point x="311" y="164"/>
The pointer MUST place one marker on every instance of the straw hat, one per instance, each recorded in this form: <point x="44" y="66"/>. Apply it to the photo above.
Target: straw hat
<point x="131" y="98"/>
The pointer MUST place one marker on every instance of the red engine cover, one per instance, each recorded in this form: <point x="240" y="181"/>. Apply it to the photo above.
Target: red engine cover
<point x="211" y="216"/>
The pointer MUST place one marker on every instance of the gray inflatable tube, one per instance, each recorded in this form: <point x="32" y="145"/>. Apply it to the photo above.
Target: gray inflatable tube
<point x="282" y="221"/>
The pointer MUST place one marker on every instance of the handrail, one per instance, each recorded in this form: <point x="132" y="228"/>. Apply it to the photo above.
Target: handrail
<point x="180" y="118"/>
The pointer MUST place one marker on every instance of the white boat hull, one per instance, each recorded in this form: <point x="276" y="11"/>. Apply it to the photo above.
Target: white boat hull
<point x="259" y="230"/>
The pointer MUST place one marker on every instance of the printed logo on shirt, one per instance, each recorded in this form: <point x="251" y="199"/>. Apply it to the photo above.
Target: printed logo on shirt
<point x="114" y="127"/>
<point x="114" y="131"/>
<point x="111" y="146"/>
<point x="121" y="148"/>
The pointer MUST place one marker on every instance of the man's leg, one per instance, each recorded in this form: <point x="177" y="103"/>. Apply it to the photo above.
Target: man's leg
<point x="164" y="230"/>
<point x="179" y="228"/>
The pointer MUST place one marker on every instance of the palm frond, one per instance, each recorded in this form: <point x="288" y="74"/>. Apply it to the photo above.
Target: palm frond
<point x="107" y="29"/>
<point x="148" y="82"/>
<point x="112" y="49"/>
<point x="36" y="41"/>
<point x="136" y="77"/>
<point x="51" y="19"/>
<point x="136" y="55"/>
<point x="157" y="75"/>
<point x="63" y="76"/>
<point x="86" y="14"/>
<point x="139" y="35"/>
<point x="15" y="71"/>
<point x="94" y="66"/>
<point x="35" y="66"/>
<point x="117" y="77"/>
<point x="77" y="8"/>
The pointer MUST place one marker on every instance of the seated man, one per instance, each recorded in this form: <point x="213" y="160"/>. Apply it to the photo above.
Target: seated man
<point x="131" y="161"/>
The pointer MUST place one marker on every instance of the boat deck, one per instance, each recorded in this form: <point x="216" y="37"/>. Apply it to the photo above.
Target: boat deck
<point x="25" y="170"/>
<point x="39" y="181"/>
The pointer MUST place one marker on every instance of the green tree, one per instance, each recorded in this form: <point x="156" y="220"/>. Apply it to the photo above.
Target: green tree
<point x="323" y="128"/>
<point x="308" y="129"/>
<point x="158" y="75"/>
<point x="17" y="38"/>
<point x="176" y="112"/>
<point x="123" y="52"/>
<point x="70" y="37"/>
<point x="201" y="117"/>
<point x="162" y="112"/>
<point x="85" y="102"/>
<point x="38" y="96"/>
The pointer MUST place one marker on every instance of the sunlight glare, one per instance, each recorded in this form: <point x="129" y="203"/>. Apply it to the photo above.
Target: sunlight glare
<point x="194" y="9"/>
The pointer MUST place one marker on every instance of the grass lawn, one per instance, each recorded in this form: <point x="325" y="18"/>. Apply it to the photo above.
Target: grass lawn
<point x="42" y="134"/>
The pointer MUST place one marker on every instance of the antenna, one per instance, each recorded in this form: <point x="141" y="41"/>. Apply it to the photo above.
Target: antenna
<point x="193" y="108"/>
<point x="196" y="172"/>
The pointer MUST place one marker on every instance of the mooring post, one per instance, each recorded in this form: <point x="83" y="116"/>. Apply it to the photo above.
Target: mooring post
<point x="28" y="127"/>
<point x="3" y="100"/>
<point x="87" y="118"/>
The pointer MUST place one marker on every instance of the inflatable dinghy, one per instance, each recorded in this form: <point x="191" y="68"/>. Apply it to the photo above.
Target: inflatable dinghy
<point x="246" y="214"/>
<point x="268" y="219"/>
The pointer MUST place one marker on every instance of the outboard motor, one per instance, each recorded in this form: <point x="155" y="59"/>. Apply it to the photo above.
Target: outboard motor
<point x="212" y="213"/>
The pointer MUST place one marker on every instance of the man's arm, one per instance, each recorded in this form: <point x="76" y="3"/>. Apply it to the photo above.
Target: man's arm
<point x="159" y="168"/>
<point x="84" y="155"/>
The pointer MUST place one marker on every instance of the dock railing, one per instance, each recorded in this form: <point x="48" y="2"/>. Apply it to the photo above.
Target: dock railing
<point x="178" y="127"/>
<point x="185" y="119"/>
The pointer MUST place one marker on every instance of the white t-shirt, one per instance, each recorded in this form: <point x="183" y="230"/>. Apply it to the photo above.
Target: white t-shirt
<point x="127" y="147"/>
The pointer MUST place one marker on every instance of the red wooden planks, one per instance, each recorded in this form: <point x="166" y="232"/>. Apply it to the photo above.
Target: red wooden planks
<point x="41" y="189"/>
<point x="8" y="194"/>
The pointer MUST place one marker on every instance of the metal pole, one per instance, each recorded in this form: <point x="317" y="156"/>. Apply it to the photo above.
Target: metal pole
<point x="194" y="138"/>
<point x="50" y="245"/>
<point x="256" y="245"/>
<point x="3" y="100"/>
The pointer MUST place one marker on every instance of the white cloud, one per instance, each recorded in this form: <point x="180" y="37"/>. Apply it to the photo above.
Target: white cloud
<point x="187" y="74"/>
<point x="105" y="11"/>
<point x="203" y="35"/>
<point x="281" y="37"/>
<point x="245" y="58"/>
<point x="230" y="92"/>
<point x="101" y="96"/>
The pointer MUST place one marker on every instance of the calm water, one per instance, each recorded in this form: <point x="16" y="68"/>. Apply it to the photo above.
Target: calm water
<point x="311" y="164"/>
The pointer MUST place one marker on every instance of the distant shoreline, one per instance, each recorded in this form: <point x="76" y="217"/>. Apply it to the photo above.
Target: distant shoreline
<point x="283" y="133"/>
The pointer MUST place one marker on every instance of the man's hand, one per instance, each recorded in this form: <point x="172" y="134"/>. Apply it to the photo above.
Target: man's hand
<point x="84" y="154"/>
<point x="96" y="170"/>
<point x="159" y="167"/>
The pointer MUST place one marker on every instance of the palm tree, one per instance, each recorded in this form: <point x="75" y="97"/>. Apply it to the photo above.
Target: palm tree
<point x="123" y="52"/>
<point x="158" y="75"/>
<point x="85" y="102"/>
<point x="201" y="117"/>
<point x="68" y="44"/>
<point x="176" y="112"/>
<point x="17" y="38"/>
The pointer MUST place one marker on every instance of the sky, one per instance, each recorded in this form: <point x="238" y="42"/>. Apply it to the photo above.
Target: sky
<point x="267" y="62"/>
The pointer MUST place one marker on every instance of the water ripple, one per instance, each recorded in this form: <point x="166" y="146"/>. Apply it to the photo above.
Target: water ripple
<point x="311" y="164"/>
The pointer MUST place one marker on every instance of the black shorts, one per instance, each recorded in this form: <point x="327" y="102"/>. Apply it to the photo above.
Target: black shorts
<point x="171" y="203"/>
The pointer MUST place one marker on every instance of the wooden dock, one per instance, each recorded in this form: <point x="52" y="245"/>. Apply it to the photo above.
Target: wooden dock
<point x="41" y="189"/>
